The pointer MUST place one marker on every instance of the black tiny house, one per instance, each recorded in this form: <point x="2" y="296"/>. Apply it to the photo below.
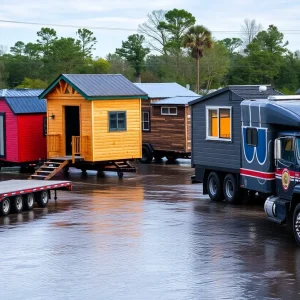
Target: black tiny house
<point x="216" y="128"/>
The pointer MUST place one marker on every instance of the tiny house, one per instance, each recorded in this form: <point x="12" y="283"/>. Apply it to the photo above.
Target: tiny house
<point x="166" y="121"/>
<point x="22" y="127"/>
<point x="94" y="119"/>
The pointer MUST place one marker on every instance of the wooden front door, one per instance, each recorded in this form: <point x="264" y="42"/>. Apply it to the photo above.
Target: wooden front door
<point x="72" y="126"/>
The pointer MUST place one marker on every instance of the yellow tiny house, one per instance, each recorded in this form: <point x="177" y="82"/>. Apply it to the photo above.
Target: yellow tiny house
<point x="93" y="118"/>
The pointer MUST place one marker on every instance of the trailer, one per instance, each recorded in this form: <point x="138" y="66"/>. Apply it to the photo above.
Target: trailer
<point x="19" y="195"/>
<point x="248" y="147"/>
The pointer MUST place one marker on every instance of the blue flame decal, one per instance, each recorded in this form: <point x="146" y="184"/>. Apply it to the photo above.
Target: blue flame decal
<point x="261" y="149"/>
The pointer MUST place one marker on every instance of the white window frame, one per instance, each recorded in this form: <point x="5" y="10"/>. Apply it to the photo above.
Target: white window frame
<point x="168" y="114"/>
<point x="143" y="121"/>
<point x="217" y="108"/>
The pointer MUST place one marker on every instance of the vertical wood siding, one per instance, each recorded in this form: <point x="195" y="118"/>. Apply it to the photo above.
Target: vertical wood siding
<point x="118" y="144"/>
<point x="32" y="142"/>
<point x="11" y="131"/>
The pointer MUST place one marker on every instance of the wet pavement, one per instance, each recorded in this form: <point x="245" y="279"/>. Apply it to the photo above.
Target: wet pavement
<point x="151" y="235"/>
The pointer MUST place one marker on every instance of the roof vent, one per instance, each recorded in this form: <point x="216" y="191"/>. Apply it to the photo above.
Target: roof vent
<point x="262" y="88"/>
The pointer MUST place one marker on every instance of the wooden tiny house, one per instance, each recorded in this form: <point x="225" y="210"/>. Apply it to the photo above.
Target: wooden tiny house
<point x="166" y="122"/>
<point x="22" y="127"/>
<point x="95" y="119"/>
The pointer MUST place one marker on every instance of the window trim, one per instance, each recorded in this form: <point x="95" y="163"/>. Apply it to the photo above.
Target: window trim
<point x="149" y="121"/>
<point x="168" y="114"/>
<point x="3" y="114"/>
<point x="117" y="112"/>
<point x="217" y="108"/>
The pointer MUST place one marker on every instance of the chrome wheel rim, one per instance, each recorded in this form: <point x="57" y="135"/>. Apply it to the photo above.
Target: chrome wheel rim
<point x="44" y="198"/>
<point x="229" y="189"/>
<point x="30" y="200"/>
<point x="297" y="225"/>
<point x="212" y="186"/>
<point x="19" y="203"/>
<point x="5" y="206"/>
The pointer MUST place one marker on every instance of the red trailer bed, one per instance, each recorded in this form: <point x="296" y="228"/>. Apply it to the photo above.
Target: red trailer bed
<point x="17" y="195"/>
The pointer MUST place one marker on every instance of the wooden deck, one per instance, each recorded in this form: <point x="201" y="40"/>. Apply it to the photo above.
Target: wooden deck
<point x="63" y="158"/>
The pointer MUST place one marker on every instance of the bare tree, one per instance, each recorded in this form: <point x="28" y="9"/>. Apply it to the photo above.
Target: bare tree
<point x="249" y="30"/>
<point x="3" y="50"/>
<point x="156" y="36"/>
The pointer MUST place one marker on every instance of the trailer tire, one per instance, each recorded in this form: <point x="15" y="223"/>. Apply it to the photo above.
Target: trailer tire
<point x="120" y="175"/>
<point x="17" y="204"/>
<point x="42" y="199"/>
<point x="296" y="224"/>
<point x="29" y="201"/>
<point x="214" y="187"/>
<point x="5" y="207"/>
<point x="147" y="155"/>
<point x="231" y="189"/>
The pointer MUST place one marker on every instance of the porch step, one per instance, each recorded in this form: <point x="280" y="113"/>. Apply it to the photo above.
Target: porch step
<point x="54" y="167"/>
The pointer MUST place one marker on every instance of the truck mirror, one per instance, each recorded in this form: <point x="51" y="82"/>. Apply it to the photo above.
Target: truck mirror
<point x="277" y="150"/>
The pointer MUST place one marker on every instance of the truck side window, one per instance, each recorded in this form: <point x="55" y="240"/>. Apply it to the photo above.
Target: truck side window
<point x="288" y="153"/>
<point x="252" y="137"/>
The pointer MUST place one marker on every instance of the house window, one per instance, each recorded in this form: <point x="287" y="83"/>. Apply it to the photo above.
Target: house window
<point x="146" y="120"/>
<point x="169" y="110"/>
<point x="44" y="126"/>
<point x="218" y="123"/>
<point x="2" y="135"/>
<point x="117" y="120"/>
<point x="252" y="137"/>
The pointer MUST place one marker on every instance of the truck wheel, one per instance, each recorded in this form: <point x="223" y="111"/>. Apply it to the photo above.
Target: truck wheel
<point x="296" y="224"/>
<point x="171" y="159"/>
<point x="5" y="207"/>
<point x="29" y="201"/>
<point x="17" y="204"/>
<point x="42" y="199"/>
<point x="214" y="187"/>
<point x="146" y="155"/>
<point x="230" y="189"/>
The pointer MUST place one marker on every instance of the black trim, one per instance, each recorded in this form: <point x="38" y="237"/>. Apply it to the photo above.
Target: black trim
<point x="4" y="136"/>
<point x="45" y="126"/>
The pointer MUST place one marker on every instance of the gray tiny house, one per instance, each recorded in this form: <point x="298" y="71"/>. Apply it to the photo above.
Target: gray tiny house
<point x="216" y="128"/>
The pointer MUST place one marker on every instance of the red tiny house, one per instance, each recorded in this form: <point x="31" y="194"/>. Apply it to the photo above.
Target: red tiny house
<point x="22" y="136"/>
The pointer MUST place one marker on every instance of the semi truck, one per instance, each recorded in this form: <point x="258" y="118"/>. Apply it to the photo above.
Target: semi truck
<point x="254" y="147"/>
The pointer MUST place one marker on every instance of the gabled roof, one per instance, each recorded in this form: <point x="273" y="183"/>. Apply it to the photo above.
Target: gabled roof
<point x="175" y="101"/>
<point x="24" y="101"/>
<point x="165" y="90"/>
<point x="246" y="92"/>
<point x="99" y="86"/>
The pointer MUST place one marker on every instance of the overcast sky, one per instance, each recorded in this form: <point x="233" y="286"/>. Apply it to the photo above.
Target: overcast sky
<point x="216" y="15"/>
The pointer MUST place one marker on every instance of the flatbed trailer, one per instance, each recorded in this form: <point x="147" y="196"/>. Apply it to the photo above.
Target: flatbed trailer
<point x="16" y="195"/>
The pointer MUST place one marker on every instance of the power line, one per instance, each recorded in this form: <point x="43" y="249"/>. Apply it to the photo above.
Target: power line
<point x="286" y="31"/>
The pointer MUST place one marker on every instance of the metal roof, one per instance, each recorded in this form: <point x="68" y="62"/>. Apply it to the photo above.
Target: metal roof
<point x="176" y="101"/>
<point x="165" y="90"/>
<point x="246" y="92"/>
<point x="20" y="92"/>
<point x="93" y="86"/>
<point x="26" y="105"/>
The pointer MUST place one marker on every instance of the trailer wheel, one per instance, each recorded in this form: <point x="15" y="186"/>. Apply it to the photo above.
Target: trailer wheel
<point x="42" y="199"/>
<point x="214" y="187"/>
<point x="171" y="159"/>
<point x="230" y="189"/>
<point x="17" y="204"/>
<point x="296" y="224"/>
<point x="5" y="207"/>
<point x="146" y="155"/>
<point x="120" y="174"/>
<point x="29" y="201"/>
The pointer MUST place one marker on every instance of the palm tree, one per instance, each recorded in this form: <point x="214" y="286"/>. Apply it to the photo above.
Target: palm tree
<point x="197" y="38"/>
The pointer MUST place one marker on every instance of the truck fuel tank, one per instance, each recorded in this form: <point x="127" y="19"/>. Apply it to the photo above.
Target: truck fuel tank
<point x="276" y="209"/>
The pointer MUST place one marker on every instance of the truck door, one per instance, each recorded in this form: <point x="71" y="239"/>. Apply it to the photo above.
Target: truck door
<point x="285" y="168"/>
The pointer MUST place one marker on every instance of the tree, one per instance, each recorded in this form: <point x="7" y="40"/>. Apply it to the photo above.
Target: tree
<point x="231" y="44"/>
<point x="32" y="84"/>
<point x="176" y="23"/>
<point x="47" y="37"/>
<point x="87" y="41"/>
<point x="249" y="30"/>
<point x="119" y="65"/>
<point x="134" y="52"/>
<point x="18" y="48"/>
<point x="197" y="39"/>
<point x="157" y="35"/>
<point x="32" y="51"/>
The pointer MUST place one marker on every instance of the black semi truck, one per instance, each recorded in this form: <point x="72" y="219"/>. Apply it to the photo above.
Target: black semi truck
<point x="250" y="146"/>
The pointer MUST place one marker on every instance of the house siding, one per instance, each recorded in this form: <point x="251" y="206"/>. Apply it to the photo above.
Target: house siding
<point x="11" y="131"/>
<point x="219" y="154"/>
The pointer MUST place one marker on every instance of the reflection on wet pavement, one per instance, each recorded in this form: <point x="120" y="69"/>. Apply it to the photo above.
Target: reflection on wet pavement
<point x="152" y="235"/>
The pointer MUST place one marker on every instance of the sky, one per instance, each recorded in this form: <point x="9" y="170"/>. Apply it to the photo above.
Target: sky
<point x="219" y="16"/>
